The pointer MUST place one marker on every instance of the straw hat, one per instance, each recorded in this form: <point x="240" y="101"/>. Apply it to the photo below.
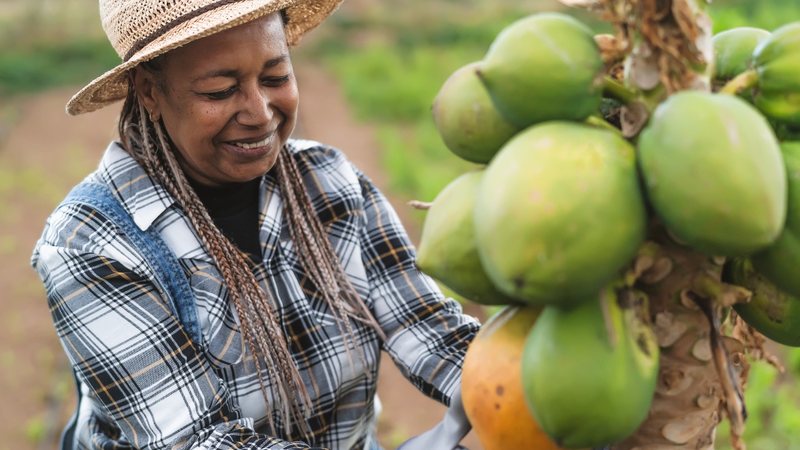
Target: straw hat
<point x="140" y="30"/>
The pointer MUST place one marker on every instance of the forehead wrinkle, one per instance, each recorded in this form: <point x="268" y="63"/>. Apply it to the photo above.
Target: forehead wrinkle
<point x="223" y="73"/>
<point x="277" y="60"/>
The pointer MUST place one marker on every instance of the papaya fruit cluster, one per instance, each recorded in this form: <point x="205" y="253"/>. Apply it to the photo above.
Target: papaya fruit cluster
<point x="770" y="63"/>
<point x="563" y="201"/>
<point x="772" y="273"/>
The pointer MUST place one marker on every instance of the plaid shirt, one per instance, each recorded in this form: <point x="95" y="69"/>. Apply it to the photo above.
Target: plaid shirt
<point x="146" y="385"/>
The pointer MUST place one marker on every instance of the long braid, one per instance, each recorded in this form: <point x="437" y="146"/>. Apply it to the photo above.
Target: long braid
<point x="317" y="254"/>
<point x="256" y="300"/>
<point x="147" y="143"/>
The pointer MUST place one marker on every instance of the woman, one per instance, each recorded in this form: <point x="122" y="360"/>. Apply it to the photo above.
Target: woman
<point x="216" y="284"/>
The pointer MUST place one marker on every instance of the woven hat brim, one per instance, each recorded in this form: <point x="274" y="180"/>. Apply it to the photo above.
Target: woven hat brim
<point x="112" y="86"/>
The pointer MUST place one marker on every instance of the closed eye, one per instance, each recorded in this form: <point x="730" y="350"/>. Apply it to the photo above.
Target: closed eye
<point x="275" y="81"/>
<point x="221" y="95"/>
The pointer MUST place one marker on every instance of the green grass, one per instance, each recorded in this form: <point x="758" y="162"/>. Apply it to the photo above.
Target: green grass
<point x="387" y="85"/>
<point x="767" y="14"/>
<point x="35" y="429"/>
<point x="395" y="89"/>
<point x="45" y="44"/>
<point x="772" y="402"/>
<point x="49" y="64"/>
<point x="421" y="166"/>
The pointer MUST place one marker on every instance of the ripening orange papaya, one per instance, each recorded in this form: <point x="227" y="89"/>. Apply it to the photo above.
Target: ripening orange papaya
<point x="491" y="384"/>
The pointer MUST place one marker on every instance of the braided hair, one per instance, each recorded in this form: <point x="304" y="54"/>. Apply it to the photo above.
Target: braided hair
<point x="148" y="143"/>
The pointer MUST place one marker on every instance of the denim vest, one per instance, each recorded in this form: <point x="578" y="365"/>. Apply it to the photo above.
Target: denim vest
<point x="172" y="282"/>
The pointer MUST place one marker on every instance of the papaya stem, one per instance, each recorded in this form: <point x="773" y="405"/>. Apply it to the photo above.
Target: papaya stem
<point x="722" y="293"/>
<point x="741" y="82"/>
<point x="607" y="319"/>
<point x="416" y="204"/>
<point x="645" y="258"/>
<point x="754" y="343"/>
<point x="616" y="90"/>
<point x="597" y="121"/>
<point x="734" y="398"/>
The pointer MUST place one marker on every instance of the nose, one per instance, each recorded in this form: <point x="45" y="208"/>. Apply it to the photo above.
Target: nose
<point x="255" y="110"/>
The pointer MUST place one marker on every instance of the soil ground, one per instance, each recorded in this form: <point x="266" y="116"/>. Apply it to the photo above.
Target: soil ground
<point x="43" y="152"/>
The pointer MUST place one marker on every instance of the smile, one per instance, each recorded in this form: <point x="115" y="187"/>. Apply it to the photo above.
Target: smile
<point x="250" y="145"/>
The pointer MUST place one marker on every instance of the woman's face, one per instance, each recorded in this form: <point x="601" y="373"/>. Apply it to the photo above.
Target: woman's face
<point x="228" y="101"/>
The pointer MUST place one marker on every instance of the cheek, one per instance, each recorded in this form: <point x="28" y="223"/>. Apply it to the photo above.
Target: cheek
<point x="195" y="128"/>
<point x="288" y="99"/>
<point x="204" y="121"/>
<point x="211" y="115"/>
<point x="288" y="103"/>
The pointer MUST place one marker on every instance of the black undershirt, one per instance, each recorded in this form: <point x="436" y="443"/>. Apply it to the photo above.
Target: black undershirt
<point x="234" y="210"/>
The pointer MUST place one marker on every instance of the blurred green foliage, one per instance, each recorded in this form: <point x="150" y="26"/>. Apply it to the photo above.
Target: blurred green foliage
<point x="772" y="403"/>
<point x="35" y="429"/>
<point x="48" y="64"/>
<point x="47" y="43"/>
<point x="388" y="85"/>
<point x="395" y="90"/>
<point x="767" y="14"/>
<point x="404" y="147"/>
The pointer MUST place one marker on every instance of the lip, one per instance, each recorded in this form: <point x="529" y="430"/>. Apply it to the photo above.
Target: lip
<point x="250" y="140"/>
<point x="250" y="153"/>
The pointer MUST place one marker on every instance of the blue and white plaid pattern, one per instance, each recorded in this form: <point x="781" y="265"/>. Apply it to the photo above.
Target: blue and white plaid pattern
<point x="147" y="385"/>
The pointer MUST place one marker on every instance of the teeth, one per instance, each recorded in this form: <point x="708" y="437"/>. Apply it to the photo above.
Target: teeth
<point x="261" y="143"/>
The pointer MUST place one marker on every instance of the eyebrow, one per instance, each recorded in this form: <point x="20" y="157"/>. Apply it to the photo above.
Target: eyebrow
<point x="233" y="73"/>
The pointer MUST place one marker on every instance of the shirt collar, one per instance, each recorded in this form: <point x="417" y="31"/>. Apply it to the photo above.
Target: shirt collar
<point x="141" y="196"/>
<point x="145" y="199"/>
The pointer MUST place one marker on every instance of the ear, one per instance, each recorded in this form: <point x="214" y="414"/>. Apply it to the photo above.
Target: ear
<point x="147" y="88"/>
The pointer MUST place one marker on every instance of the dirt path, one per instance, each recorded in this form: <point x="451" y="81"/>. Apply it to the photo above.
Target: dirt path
<point x="43" y="152"/>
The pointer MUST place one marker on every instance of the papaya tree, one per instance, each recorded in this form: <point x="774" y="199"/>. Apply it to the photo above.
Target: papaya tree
<point x="639" y="212"/>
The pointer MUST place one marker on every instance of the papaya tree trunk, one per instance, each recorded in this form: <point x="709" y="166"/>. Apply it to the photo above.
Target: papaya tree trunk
<point x="701" y="371"/>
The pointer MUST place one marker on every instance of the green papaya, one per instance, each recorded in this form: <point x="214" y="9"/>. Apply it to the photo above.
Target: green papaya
<point x="585" y="387"/>
<point x="467" y="120"/>
<point x="771" y="311"/>
<point x="714" y="173"/>
<point x="559" y="212"/>
<point x="447" y="249"/>
<point x="733" y="50"/>
<point x="780" y="262"/>
<point x="777" y="62"/>
<point x="544" y="67"/>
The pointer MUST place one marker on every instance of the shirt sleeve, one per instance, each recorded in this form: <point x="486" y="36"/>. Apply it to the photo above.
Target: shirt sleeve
<point x="427" y="334"/>
<point x="139" y="365"/>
